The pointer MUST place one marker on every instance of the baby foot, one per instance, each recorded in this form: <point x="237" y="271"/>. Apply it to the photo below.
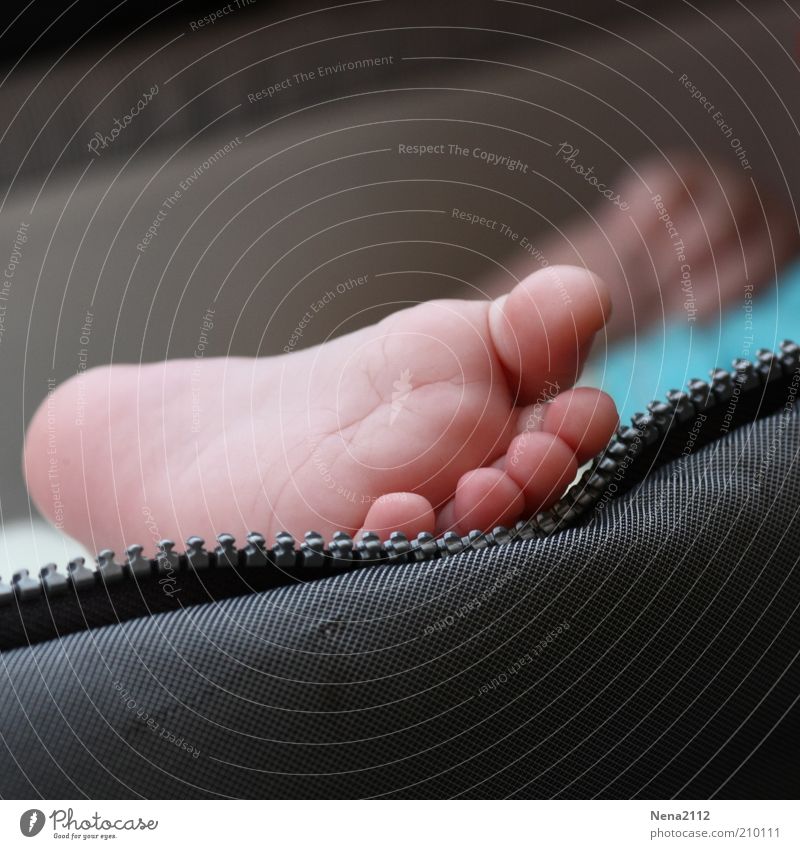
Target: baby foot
<point x="694" y="237"/>
<point x="451" y="414"/>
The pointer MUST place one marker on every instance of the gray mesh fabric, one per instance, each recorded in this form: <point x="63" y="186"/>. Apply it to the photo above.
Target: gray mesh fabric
<point x="650" y="653"/>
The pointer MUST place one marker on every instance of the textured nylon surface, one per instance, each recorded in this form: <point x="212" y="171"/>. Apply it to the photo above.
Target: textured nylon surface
<point x="676" y="675"/>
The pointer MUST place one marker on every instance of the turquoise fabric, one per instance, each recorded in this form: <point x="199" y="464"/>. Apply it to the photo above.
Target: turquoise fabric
<point x="646" y="367"/>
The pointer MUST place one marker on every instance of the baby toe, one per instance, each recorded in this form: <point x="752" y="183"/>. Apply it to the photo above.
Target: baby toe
<point x="446" y="517"/>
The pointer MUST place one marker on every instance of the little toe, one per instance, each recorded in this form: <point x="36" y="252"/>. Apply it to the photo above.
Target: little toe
<point x="446" y="517"/>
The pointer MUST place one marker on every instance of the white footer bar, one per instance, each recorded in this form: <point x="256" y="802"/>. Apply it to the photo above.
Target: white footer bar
<point x="400" y="825"/>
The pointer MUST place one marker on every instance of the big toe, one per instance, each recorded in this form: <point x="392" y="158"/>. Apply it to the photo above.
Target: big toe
<point x="543" y="329"/>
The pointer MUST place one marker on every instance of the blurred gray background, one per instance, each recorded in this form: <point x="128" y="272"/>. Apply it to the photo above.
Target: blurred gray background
<point x="314" y="191"/>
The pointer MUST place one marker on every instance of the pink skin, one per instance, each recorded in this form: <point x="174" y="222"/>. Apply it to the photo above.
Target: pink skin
<point x="416" y="423"/>
<point x="553" y="440"/>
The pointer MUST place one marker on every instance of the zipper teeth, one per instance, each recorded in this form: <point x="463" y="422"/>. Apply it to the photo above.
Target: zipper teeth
<point x="343" y="552"/>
